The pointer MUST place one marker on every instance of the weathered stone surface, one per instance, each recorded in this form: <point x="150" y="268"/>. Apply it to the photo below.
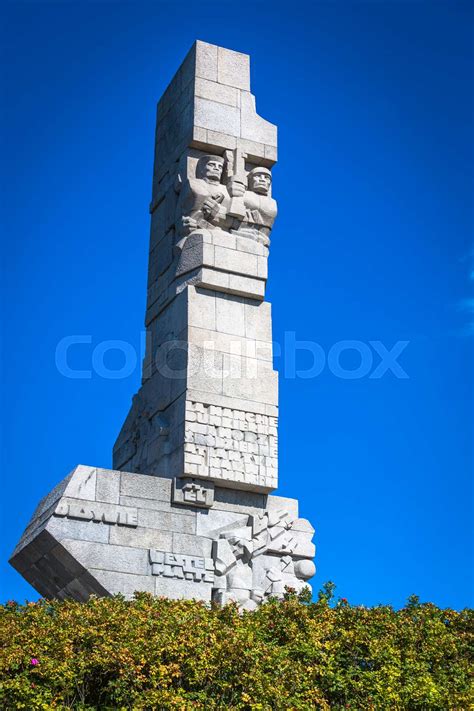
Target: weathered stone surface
<point x="81" y="530"/>
<point x="179" y="589"/>
<point x="145" y="487"/>
<point x="125" y="583"/>
<point x="108" y="486"/>
<point x="141" y="537"/>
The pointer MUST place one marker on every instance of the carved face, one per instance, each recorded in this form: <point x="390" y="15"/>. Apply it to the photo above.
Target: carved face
<point x="213" y="170"/>
<point x="260" y="182"/>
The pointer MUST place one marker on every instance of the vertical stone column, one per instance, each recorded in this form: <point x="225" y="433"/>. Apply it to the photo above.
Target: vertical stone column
<point x="208" y="402"/>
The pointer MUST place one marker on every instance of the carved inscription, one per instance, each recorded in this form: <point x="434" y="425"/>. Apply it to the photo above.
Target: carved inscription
<point x="100" y="513"/>
<point x="193" y="492"/>
<point x="233" y="445"/>
<point x="183" y="567"/>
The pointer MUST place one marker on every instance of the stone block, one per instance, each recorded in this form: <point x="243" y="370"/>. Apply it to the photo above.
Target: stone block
<point x="262" y="267"/>
<point x="249" y="378"/>
<point x="258" y="321"/>
<point x="212" y="279"/>
<point x="217" y="117"/>
<point x="97" y="512"/>
<point x="212" y="523"/>
<point x="271" y="153"/>
<point x="232" y="260"/>
<point x="28" y="553"/>
<point x="201" y="308"/>
<point x="103" y="556"/>
<point x="141" y="538"/>
<point x="244" y="502"/>
<point x="195" y="255"/>
<point x="193" y="492"/>
<point x="223" y="556"/>
<point x="205" y="60"/>
<point x="216" y="92"/>
<point x="108" y="486"/>
<point x="233" y="69"/>
<point x="229" y="343"/>
<point x="182" y="589"/>
<point x="218" y="141"/>
<point x="193" y="545"/>
<point x="237" y="403"/>
<point x="204" y="369"/>
<point x="277" y="503"/>
<point x="145" y="487"/>
<point x="79" y="530"/>
<point x="247" y="245"/>
<point x="154" y="505"/>
<point x="200" y="139"/>
<point x="166" y="521"/>
<point x="254" y="288"/>
<point x="224" y="239"/>
<point x="82" y="482"/>
<point x="254" y="151"/>
<point x="303" y="525"/>
<point x="124" y="583"/>
<point x="77" y="589"/>
<point x="253" y="127"/>
<point x="68" y="561"/>
<point x="230" y="315"/>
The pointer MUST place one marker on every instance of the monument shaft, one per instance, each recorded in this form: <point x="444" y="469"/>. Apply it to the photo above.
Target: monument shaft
<point x="208" y="403"/>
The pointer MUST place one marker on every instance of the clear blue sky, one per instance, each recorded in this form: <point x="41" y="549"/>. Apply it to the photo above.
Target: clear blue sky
<point x="373" y="242"/>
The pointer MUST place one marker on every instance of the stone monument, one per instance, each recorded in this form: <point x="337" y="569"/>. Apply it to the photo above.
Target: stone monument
<point x="187" y="510"/>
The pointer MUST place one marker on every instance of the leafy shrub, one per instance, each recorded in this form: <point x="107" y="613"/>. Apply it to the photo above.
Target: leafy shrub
<point x="154" y="653"/>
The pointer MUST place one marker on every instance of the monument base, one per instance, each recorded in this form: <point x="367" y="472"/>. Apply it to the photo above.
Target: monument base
<point x="103" y="532"/>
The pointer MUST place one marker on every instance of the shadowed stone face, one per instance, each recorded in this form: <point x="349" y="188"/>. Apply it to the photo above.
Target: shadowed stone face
<point x="210" y="168"/>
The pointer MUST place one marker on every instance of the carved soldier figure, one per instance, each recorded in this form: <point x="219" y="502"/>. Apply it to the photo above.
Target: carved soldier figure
<point x="261" y="208"/>
<point x="203" y="200"/>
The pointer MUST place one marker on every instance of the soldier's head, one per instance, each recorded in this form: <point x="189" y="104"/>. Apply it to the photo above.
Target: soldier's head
<point x="210" y="168"/>
<point x="260" y="181"/>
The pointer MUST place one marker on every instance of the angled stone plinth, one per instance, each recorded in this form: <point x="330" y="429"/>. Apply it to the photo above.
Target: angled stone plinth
<point x="103" y="532"/>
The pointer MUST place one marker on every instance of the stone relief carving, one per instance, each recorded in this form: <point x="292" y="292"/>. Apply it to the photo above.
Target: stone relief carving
<point x="243" y="444"/>
<point x="223" y="196"/>
<point x="99" y="513"/>
<point x="261" y="208"/>
<point x="193" y="492"/>
<point x="183" y="567"/>
<point x="257" y="561"/>
<point x="142" y="426"/>
<point x="203" y="201"/>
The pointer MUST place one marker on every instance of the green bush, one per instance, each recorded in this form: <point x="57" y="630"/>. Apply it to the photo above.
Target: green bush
<point x="152" y="653"/>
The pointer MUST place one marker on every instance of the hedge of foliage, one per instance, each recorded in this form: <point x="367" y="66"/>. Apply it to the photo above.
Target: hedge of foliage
<point x="163" y="654"/>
